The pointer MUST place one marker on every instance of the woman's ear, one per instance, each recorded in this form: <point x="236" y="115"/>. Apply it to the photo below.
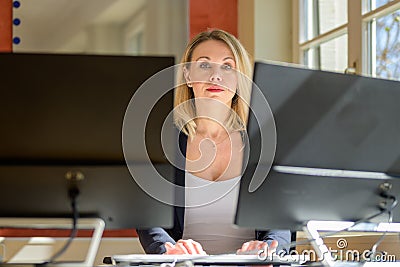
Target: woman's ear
<point x="186" y="74"/>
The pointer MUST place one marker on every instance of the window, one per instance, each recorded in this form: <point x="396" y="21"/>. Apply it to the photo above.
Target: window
<point x="361" y="36"/>
<point x="323" y="37"/>
<point x="134" y="32"/>
<point x="134" y="44"/>
<point x="383" y="39"/>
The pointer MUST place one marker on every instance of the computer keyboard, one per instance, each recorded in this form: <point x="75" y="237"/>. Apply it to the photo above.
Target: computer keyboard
<point x="223" y="259"/>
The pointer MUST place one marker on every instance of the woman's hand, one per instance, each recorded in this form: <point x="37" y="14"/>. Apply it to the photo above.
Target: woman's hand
<point x="260" y="248"/>
<point x="188" y="246"/>
<point x="254" y="247"/>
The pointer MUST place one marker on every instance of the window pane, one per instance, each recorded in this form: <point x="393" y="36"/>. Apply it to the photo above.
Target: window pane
<point x="334" y="54"/>
<point x="135" y="44"/>
<point x="329" y="56"/>
<point x="374" y="4"/>
<point x="387" y="48"/>
<point x="332" y="14"/>
<point x="321" y="16"/>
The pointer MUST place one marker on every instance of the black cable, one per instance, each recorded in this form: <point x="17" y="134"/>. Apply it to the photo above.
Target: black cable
<point x="307" y="241"/>
<point x="383" y="211"/>
<point x="73" y="193"/>
<point x="379" y="241"/>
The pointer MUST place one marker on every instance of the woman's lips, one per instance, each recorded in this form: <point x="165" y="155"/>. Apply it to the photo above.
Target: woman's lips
<point x="215" y="89"/>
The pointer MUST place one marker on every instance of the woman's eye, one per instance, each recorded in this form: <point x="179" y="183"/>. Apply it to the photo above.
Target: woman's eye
<point x="227" y="67"/>
<point x="204" y="65"/>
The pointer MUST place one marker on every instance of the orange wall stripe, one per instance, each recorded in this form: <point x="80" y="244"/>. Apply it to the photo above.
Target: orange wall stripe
<point x="5" y="25"/>
<point x="13" y="232"/>
<point x="206" y="14"/>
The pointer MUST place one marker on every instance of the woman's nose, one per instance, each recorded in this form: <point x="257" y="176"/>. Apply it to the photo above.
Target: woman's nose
<point x="215" y="77"/>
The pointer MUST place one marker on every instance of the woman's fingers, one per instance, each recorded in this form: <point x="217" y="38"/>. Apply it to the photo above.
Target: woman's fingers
<point x="254" y="247"/>
<point x="273" y="245"/>
<point x="168" y="245"/>
<point x="176" y="249"/>
<point x="188" y="246"/>
<point x="250" y="247"/>
<point x="199" y="248"/>
<point x="192" y="246"/>
<point x="170" y="249"/>
<point x="185" y="247"/>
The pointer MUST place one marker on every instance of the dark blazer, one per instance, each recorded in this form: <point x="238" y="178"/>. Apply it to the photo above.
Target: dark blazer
<point x="153" y="239"/>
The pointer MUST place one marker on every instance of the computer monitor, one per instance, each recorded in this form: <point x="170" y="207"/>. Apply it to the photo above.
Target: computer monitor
<point x="64" y="113"/>
<point x="337" y="150"/>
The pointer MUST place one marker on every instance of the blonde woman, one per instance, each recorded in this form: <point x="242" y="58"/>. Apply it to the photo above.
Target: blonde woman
<point x="210" y="110"/>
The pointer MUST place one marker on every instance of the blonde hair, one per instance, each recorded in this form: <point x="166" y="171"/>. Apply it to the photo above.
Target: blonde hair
<point x="184" y="107"/>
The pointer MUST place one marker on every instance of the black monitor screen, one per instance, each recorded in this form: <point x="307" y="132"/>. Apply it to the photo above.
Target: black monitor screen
<point x="62" y="113"/>
<point x="337" y="142"/>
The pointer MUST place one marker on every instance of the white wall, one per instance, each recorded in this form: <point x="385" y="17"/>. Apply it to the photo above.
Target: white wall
<point x="273" y="30"/>
<point x="166" y="27"/>
<point x="75" y="26"/>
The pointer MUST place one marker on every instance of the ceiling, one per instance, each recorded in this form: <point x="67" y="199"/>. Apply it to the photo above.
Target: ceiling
<point x="50" y="24"/>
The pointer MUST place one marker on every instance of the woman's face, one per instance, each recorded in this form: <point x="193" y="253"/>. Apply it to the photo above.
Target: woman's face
<point x="212" y="72"/>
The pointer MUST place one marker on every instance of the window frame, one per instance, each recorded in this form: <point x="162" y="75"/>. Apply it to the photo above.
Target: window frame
<point x="358" y="29"/>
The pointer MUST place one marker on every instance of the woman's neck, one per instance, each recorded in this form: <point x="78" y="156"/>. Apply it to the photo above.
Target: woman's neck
<point x="211" y="116"/>
<point x="210" y="128"/>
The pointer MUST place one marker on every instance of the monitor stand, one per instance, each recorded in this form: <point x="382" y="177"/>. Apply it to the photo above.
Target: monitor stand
<point x="60" y="223"/>
<point x="312" y="229"/>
